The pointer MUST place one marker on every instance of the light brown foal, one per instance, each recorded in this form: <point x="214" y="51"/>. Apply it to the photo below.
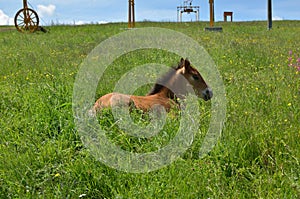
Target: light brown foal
<point x="175" y="84"/>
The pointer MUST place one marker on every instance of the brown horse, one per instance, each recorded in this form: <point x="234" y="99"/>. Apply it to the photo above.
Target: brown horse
<point x="175" y="84"/>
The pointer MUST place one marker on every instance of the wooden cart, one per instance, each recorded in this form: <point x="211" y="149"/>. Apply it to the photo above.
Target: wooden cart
<point x="26" y="19"/>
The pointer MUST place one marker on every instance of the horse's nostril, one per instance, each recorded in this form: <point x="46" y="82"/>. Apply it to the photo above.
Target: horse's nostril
<point x="207" y="94"/>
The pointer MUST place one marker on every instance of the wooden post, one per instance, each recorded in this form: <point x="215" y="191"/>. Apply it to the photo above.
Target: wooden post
<point x="269" y="14"/>
<point x="212" y="18"/>
<point x="131" y="14"/>
<point x="25" y="6"/>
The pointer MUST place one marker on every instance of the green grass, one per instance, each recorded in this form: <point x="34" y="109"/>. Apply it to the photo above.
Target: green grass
<point x="257" y="156"/>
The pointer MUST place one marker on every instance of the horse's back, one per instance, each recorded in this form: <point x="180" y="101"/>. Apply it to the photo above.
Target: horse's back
<point x="112" y="99"/>
<point x="146" y="103"/>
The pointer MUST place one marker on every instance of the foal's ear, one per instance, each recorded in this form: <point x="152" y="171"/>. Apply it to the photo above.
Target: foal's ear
<point x="187" y="64"/>
<point x="181" y="64"/>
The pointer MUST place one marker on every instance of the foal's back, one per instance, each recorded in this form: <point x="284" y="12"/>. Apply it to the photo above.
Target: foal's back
<point x="144" y="103"/>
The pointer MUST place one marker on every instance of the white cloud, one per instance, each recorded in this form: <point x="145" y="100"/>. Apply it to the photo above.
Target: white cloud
<point x="276" y="18"/>
<point x="46" y="10"/>
<point x="11" y="21"/>
<point x="5" y="19"/>
<point x="88" y="22"/>
<point x="80" y="22"/>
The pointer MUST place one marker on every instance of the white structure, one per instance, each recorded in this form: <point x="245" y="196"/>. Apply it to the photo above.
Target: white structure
<point x="187" y="8"/>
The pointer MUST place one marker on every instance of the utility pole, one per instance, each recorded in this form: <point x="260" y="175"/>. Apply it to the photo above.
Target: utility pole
<point x="131" y="14"/>
<point x="269" y="14"/>
<point x="212" y="14"/>
<point x="212" y="18"/>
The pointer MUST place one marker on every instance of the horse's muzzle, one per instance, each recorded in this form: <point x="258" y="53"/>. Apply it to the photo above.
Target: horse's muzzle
<point x="207" y="94"/>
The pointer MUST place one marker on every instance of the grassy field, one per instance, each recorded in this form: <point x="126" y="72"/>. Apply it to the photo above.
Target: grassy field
<point x="257" y="156"/>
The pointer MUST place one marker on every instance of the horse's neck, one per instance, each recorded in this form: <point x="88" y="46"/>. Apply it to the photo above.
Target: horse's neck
<point x="176" y="85"/>
<point x="166" y="93"/>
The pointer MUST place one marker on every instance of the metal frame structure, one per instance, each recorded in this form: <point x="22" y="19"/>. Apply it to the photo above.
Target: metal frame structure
<point x="187" y="8"/>
<point x="26" y="19"/>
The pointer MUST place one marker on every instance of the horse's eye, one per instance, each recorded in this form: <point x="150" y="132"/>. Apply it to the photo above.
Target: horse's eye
<point x="196" y="77"/>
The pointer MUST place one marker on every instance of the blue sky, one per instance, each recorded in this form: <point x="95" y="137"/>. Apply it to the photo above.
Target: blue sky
<point x="86" y="11"/>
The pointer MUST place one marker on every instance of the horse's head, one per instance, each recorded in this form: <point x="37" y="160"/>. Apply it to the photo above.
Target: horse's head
<point x="194" y="78"/>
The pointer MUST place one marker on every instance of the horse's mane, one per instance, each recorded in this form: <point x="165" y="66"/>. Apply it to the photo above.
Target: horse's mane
<point x="162" y="81"/>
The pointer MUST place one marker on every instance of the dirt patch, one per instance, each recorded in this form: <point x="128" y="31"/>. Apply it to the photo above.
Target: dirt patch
<point x="5" y="28"/>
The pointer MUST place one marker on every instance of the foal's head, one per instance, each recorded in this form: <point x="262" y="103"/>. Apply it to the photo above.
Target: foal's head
<point x="177" y="82"/>
<point x="194" y="78"/>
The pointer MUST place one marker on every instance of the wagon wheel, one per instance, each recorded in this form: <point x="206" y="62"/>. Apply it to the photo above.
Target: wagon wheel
<point x="26" y="20"/>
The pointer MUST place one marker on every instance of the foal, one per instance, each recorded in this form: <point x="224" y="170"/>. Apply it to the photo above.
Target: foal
<point x="175" y="84"/>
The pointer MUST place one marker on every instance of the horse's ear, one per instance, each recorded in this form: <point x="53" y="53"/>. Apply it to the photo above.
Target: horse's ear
<point x="181" y="63"/>
<point x="187" y="64"/>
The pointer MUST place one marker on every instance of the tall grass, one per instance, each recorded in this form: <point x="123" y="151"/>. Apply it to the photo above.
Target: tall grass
<point x="257" y="156"/>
